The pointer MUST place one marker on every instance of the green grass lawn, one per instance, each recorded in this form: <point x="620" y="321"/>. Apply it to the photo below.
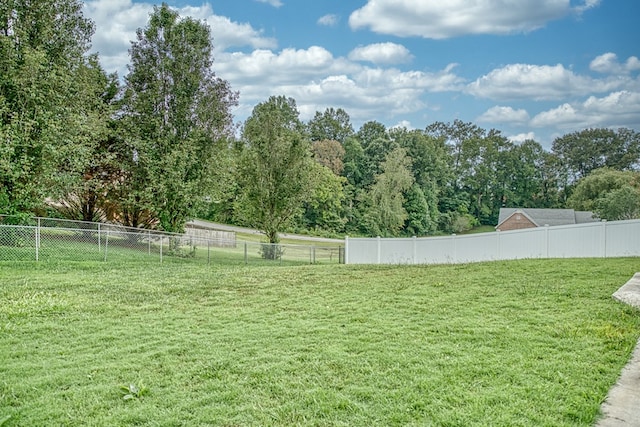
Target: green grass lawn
<point x="520" y="343"/>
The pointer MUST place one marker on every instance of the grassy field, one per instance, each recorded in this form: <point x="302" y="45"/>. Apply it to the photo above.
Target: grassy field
<point x="520" y="343"/>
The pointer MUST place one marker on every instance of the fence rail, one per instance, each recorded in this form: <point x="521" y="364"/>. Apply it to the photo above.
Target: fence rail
<point x="591" y="240"/>
<point x="44" y="239"/>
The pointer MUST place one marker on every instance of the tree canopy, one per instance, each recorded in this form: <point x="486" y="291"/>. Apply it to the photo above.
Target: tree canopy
<point x="159" y="146"/>
<point x="177" y="117"/>
<point x="43" y="121"/>
<point x="275" y="167"/>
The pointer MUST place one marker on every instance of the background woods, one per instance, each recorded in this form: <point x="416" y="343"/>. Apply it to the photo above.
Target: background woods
<point x="159" y="146"/>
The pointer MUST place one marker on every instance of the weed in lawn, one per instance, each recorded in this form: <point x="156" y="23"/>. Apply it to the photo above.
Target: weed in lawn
<point x="133" y="391"/>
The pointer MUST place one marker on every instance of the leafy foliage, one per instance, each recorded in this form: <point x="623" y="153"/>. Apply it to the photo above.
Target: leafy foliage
<point x="385" y="200"/>
<point x="611" y="194"/>
<point x="332" y="125"/>
<point x="585" y="151"/>
<point x="132" y="391"/>
<point x="42" y="121"/>
<point x="177" y="117"/>
<point x="620" y="204"/>
<point x="274" y="167"/>
<point x="163" y="148"/>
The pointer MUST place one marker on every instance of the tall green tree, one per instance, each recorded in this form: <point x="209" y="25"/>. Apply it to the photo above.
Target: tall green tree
<point x="377" y="144"/>
<point x="524" y="186"/>
<point x="419" y="221"/>
<point x="333" y="124"/>
<point x="177" y="116"/>
<point x="386" y="214"/>
<point x="481" y="167"/>
<point x="88" y="199"/>
<point x="329" y="153"/>
<point x="323" y="211"/>
<point x="431" y="168"/>
<point x="274" y="171"/>
<point x="353" y="162"/>
<point x="592" y="189"/>
<point x="620" y="204"/>
<point x="584" y="151"/>
<point x="42" y="126"/>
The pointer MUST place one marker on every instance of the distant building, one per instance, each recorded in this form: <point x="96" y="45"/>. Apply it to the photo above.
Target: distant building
<point x="519" y="218"/>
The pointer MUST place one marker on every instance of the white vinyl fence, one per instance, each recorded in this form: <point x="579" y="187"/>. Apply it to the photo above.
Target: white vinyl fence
<point x="591" y="240"/>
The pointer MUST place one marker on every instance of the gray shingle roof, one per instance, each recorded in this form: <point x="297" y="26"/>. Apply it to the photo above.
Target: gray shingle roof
<point x="549" y="217"/>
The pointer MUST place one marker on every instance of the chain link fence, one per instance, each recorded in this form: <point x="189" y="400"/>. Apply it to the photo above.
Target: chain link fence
<point x="47" y="239"/>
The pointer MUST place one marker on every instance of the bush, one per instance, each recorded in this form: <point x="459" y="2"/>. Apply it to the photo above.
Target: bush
<point x="271" y="251"/>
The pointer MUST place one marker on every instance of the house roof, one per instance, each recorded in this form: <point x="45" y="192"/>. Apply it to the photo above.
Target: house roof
<point x="551" y="217"/>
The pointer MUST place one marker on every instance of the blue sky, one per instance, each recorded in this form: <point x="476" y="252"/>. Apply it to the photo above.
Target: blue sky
<point x="534" y="69"/>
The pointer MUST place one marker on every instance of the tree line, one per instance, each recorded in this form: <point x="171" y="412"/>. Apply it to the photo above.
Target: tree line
<point x="160" y="147"/>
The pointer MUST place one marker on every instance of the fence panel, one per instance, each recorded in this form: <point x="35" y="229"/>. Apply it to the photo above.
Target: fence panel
<point x="477" y="247"/>
<point x="109" y="242"/>
<point x="520" y="244"/>
<point x="593" y="240"/>
<point x="576" y="241"/>
<point x="18" y="243"/>
<point x="361" y="250"/>
<point x="69" y="244"/>
<point x="435" y="250"/>
<point x="397" y="251"/>
<point x="622" y="238"/>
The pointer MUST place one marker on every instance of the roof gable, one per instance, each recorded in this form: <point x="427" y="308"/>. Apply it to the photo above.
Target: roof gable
<point x="551" y="217"/>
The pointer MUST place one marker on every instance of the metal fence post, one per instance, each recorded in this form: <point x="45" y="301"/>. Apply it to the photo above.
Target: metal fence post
<point x="161" y="238"/>
<point x="106" y="245"/>
<point x="246" y="258"/>
<point x="38" y="241"/>
<point x="149" y="240"/>
<point x="99" y="245"/>
<point x="208" y="252"/>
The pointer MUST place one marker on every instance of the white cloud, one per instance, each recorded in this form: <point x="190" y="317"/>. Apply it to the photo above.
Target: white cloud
<point x="618" y="109"/>
<point x="443" y="19"/>
<point x="522" y="137"/>
<point x="500" y="114"/>
<point x="227" y="33"/>
<point x="328" y="20"/>
<point x="381" y="53"/>
<point x="608" y="64"/>
<point x="403" y="124"/>
<point x="265" y="68"/>
<point x="274" y="3"/>
<point x="539" y="82"/>
<point x="118" y="20"/>
<point x="317" y="80"/>
<point x="588" y="4"/>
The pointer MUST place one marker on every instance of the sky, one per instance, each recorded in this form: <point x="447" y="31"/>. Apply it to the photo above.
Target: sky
<point x="533" y="69"/>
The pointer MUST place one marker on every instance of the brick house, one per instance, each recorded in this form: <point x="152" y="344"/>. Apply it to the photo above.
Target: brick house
<point x="519" y="218"/>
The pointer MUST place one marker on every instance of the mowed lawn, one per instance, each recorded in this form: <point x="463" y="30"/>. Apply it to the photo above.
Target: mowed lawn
<point x="520" y="343"/>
